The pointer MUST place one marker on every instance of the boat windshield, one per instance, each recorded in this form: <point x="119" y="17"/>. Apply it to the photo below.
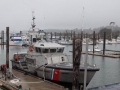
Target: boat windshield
<point x="45" y="50"/>
<point x="38" y="50"/>
<point x="60" y="50"/>
<point x="53" y="50"/>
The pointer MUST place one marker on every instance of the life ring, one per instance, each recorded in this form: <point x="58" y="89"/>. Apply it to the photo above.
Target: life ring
<point x="14" y="81"/>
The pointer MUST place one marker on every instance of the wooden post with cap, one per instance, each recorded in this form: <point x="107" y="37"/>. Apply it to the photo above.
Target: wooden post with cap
<point x="76" y="63"/>
<point x="104" y="43"/>
<point x="7" y="47"/>
<point x="93" y="42"/>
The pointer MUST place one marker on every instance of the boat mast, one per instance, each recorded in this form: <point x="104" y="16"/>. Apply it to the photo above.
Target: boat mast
<point x="85" y="71"/>
<point x="33" y="24"/>
<point x="112" y="23"/>
<point x="83" y="19"/>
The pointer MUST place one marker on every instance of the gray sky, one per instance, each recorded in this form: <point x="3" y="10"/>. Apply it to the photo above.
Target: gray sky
<point x="58" y="14"/>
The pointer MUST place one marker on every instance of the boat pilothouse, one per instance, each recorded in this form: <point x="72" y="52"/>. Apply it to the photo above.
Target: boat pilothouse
<point x="46" y="53"/>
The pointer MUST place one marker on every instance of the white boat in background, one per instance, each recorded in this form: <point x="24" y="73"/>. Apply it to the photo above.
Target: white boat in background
<point x="101" y="41"/>
<point x="89" y="42"/>
<point x="15" y="39"/>
<point x="96" y="49"/>
<point x="118" y="40"/>
<point x="113" y="41"/>
<point x="65" y="42"/>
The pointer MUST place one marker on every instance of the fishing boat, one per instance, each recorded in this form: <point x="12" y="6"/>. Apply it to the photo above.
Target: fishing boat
<point x="47" y="60"/>
<point x="34" y="34"/>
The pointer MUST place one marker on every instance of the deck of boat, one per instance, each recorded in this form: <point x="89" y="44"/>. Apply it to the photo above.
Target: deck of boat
<point x="31" y="82"/>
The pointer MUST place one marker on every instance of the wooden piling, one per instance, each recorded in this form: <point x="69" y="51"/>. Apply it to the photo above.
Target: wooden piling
<point x="93" y="41"/>
<point x="55" y="35"/>
<point x="7" y="47"/>
<point x="76" y="63"/>
<point x="60" y="35"/>
<point x="71" y="34"/>
<point x="104" y="43"/>
<point x="51" y="36"/>
<point x="64" y="35"/>
<point x="20" y="32"/>
<point x="74" y="35"/>
<point x="2" y="39"/>
<point x="98" y="37"/>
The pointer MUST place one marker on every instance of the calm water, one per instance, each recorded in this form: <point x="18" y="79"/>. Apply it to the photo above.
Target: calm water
<point x="109" y="67"/>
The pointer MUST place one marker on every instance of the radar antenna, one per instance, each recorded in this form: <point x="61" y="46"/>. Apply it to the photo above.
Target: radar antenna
<point x="33" y="23"/>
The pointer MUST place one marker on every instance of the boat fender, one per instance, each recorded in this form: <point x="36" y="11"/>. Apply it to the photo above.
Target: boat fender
<point x="14" y="81"/>
<point x="16" y="56"/>
<point x="30" y="47"/>
<point x="2" y="66"/>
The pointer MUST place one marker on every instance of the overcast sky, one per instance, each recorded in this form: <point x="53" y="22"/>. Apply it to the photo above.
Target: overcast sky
<point x="58" y="14"/>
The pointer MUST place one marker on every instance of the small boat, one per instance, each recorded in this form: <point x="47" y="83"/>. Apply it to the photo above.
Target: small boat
<point x="113" y="41"/>
<point x="96" y="49"/>
<point x="46" y="60"/>
<point x="101" y="42"/>
<point x="65" y="42"/>
<point x="15" y="39"/>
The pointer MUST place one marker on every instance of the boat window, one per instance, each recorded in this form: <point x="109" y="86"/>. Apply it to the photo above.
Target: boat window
<point x="52" y="50"/>
<point x="45" y="50"/>
<point x="60" y="50"/>
<point x="38" y="50"/>
<point x="34" y="39"/>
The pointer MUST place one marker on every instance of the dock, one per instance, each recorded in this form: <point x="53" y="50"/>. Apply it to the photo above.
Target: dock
<point x="30" y="82"/>
<point x="115" y="86"/>
<point x="110" y="54"/>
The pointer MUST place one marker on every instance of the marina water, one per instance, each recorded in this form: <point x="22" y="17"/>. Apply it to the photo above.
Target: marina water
<point x="109" y="67"/>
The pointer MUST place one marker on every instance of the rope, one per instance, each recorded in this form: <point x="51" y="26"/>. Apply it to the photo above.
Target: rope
<point x="31" y="82"/>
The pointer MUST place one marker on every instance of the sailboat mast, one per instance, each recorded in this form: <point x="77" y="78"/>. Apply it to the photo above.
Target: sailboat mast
<point x="112" y="23"/>
<point x="33" y="24"/>
<point x="83" y="19"/>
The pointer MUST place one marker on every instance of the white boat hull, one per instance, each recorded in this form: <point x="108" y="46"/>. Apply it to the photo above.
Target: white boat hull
<point x="11" y="43"/>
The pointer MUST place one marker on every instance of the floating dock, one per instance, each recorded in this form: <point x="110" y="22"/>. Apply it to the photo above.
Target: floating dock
<point x="110" y="53"/>
<point x="115" y="86"/>
<point x="29" y="82"/>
